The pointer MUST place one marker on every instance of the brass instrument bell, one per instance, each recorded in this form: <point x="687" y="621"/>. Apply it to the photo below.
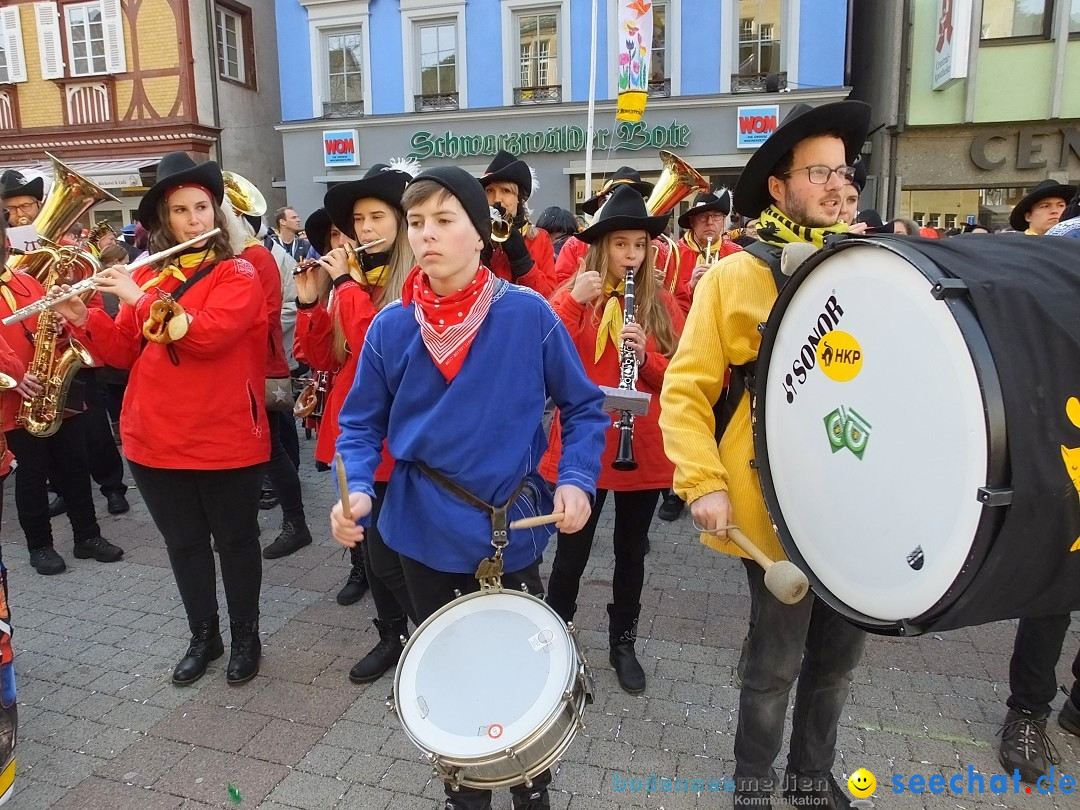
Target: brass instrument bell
<point x="677" y="179"/>
<point x="242" y="194"/>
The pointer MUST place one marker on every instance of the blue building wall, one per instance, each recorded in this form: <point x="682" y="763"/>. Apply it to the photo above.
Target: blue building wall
<point x="483" y="33"/>
<point x="701" y="47"/>
<point x="294" y="60"/>
<point x="387" y="77"/>
<point x="822" y="43"/>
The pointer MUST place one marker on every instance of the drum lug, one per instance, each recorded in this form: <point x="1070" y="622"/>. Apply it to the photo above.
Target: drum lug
<point x="948" y="288"/>
<point x="524" y="588"/>
<point x="457" y="593"/>
<point x="995" y="497"/>
<point x="512" y="755"/>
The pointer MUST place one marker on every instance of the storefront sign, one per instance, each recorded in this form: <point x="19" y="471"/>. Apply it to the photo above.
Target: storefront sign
<point x="755" y="124"/>
<point x="126" y="180"/>
<point x="627" y="135"/>
<point x="953" y="39"/>
<point x="341" y="147"/>
<point x="991" y="149"/>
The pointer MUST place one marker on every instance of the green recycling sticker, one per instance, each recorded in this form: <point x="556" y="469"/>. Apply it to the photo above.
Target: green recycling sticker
<point x="846" y="428"/>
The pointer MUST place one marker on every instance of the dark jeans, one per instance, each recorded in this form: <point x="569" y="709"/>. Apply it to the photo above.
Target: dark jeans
<point x="60" y="458"/>
<point x="188" y="506"/>
<point x="283" y="476"/>
<point x="807" y="641"/>
<point x="1032" y="678"/>
<point x="386" y="578"/>
<point x="633" y="514"/>
<point x="106" y="466"/>
<point x="429" y="590"/>
<point x="286" y="430"/>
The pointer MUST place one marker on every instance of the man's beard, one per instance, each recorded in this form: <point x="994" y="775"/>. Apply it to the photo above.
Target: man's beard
<point x="801" y="212"/>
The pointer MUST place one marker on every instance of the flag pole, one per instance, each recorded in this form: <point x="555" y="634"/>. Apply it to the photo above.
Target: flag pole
<point x="590" y="126"/>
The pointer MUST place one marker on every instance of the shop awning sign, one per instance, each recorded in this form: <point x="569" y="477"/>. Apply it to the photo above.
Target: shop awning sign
<point x="755" y="124"/>
<point x="341" y="147"/>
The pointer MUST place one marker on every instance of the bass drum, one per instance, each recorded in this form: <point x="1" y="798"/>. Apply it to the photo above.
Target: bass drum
<point x="880" y="434"/>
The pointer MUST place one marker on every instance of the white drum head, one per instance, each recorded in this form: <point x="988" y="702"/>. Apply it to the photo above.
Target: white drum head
<point x="484" y="674"/>
<point x="876" y="461"/>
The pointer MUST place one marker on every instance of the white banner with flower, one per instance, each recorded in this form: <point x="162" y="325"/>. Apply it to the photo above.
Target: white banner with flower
<point x="635" y="41"/>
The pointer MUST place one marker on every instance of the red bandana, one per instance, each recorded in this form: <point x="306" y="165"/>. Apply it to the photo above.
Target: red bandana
<point x="449" y="323"/>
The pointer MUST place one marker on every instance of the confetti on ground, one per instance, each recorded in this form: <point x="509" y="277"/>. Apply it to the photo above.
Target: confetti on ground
<point x="234" y="794"/>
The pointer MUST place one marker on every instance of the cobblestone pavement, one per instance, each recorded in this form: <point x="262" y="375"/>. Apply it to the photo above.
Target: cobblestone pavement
<point x="102" y="726"/>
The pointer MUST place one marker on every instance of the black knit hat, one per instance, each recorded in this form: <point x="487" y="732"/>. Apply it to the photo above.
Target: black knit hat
<point x="507" y="168"/>
<point x="14" y="184"/>
<point x="467" y="190"/>
<point x="705" y="202"/>
<point x="624" y="211"/>
<point x="380" y="182"/>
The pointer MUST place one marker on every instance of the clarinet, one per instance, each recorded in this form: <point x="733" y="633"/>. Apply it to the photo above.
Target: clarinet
<point x="628" y="372"/>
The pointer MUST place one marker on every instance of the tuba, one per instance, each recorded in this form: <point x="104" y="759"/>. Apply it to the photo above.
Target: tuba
<point x="677" y="179"/>
<point x="244" y="197"/>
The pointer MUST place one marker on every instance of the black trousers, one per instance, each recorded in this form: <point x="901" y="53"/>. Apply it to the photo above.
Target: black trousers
<point x="106" y="466"/>
<point x="429" y="590"/>
<point x="60" y="458"/>
<point x="1032" y="678"/>
<point x="190" y="506"/>
<point x="385" y="575"/>
<point x="283" y="475"/>
<point x="287" y="435"/>
<point x="633" y="514"/>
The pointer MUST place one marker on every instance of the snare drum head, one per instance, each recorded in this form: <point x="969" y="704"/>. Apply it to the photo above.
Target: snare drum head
<point x="875" y="436"/>
<point x="486" y="673"/>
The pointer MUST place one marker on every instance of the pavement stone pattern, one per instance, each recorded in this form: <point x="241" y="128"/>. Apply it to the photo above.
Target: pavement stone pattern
<point x="101" y="726"/>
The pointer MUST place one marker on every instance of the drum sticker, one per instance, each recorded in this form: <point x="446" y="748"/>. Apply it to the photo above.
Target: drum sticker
<point x="1071" y="455"/>
<point x="840" y="356"/>
<point x="542" y="640"/>
<point x="916" y="558"/>
<point x="846" y="428"/>
<point x="494" y="731"/>
<point x="804" y="362"/>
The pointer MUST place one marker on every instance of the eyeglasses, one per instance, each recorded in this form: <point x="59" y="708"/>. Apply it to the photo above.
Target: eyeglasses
<point x="25" y="208"/>
<point x="819" y="175"/>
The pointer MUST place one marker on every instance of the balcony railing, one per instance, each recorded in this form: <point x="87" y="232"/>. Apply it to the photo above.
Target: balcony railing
<point x="435" y="101"/>
<point x="660" y="88"/>
<point x="343" y="109"/>
<point x="758" y="82"/>
<point x="548" y="94"/>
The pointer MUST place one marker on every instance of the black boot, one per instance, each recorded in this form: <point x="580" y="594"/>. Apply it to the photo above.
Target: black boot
<point x="356" y="585"/>
<point x="671" y="508"/>
<point x="385" y="654"/>
<point x="293" y="537"/>
<point x="246" y="652"/>
<point x="205" y="647"/>
<point x="622" y="633"/>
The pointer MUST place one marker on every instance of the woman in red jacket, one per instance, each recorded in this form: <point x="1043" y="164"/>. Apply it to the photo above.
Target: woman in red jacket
<point x="591" y="308"/>
<point x="193" y="422"/>
<point x="330" y="330"/>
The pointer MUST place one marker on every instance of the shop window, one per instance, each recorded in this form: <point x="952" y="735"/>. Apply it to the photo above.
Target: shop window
<point x="1007" y="19"/>
<point x="538" y="57"/>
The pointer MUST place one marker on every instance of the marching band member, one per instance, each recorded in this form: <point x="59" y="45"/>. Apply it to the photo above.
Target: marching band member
<point x="704" y="241"/>
<point x="1041" y="209"/>
<point x="438" y="372"/>
<point x="194" y="424"/>
<point x="793" y="184"/>
<point x="10" y="364"/>
<point x="363" y="211"/>
<point x="589" y="306"/>
<point x="526" y="257"/>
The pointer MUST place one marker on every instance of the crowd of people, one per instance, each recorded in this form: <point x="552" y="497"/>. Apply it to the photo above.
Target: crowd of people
<point x="420" y="309"/>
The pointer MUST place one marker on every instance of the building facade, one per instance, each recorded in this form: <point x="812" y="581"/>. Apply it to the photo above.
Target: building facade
<point x="980" y="101"/>
<point x="364" y="81"/>
<point x="109" y="86"/>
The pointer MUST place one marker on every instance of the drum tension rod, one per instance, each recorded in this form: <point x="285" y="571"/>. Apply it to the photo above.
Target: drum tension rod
<point x="948" y="288"/>
<point x="995" y="497"/>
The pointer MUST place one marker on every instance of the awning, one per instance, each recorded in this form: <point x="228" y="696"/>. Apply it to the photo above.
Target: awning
<point x="115" y="174"/>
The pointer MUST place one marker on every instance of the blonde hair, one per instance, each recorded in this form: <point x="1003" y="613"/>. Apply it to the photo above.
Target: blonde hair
<point x="649" y="307"/>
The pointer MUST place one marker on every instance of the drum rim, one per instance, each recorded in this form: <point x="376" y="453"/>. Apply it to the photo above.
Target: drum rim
<point x="460" y="600"/>
<point x="993" y="421"/>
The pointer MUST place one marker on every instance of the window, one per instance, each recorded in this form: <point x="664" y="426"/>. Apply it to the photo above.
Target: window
<point x="538" y="47"/>
<point x="230" y="37"/>
<point x="1074" y="18"/>
<point x="86" y="39"/>
<point x="1002" y="19"/>
<point x="759" y="37"/>
<point x="659" y="80"/>
<point x="437" y="46"/>
<point x="344" y="72"/>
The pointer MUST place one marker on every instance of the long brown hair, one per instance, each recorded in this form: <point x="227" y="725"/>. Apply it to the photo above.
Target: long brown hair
<point x="649" y="308"/>
<point x="161" y="237"/>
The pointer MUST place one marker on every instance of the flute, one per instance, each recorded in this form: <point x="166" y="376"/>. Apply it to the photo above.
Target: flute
<point x="307" y="264"/>
<point x="87" y="284"/>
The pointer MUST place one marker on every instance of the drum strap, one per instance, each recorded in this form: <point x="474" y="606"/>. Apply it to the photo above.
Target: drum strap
<point x="499" y="535"/>
<point x="770" y="254"/>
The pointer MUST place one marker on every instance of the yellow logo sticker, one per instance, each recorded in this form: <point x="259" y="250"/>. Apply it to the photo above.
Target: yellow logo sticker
<point x="840" y="356"/>
<point x="862" y="783"/>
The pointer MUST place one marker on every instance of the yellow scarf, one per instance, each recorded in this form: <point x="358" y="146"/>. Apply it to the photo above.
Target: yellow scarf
<point x="186" y="261"/>
<point x="1030" y="232"/>
<point x="774" y="228"/>
<point x="376" y="277"/>
<point x="611" y="322"/>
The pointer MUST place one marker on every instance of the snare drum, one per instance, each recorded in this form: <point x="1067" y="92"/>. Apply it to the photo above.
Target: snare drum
<point x="492" y="688"/>
<point x="890" y="373"/>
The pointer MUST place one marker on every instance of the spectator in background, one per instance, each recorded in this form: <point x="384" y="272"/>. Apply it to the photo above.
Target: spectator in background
<point x="287" y="227"/>
<point x="1069" y="225"/>
<point x="559" y="223"/>
<point x="953" y="232"/>
<point x="906" y="227"/>
<point x="975" y="227"/>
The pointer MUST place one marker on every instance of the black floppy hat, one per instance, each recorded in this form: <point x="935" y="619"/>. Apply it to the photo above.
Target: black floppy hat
<point x="14" y="184"/>
<point x="381" y="181"/>
<point x="850" y="120"/>
<point x="317" y="228"/>
<point x="705" y="202"/>
<point x="177" y="169"/>
<point x="624" y="211"/>
<point x="1045" y="189"/>
<point x="624" y="175"/>
<point x="507" y="168"/>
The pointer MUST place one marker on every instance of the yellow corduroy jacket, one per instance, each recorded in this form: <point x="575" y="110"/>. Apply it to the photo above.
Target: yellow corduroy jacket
<point x="730" y="301"/>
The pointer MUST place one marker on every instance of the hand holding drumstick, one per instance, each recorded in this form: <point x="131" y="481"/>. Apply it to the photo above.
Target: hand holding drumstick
<point x="351" y="507"/>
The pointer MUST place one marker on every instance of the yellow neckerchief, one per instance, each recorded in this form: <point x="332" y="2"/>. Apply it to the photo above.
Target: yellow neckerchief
<point x="175" y="269"/>
<point x="375" y="277"/>
<point x="775" y="228"/>
<point x="611" y="322"/>
<point x="1030" y="232"/>
<point x="8" y="295"/>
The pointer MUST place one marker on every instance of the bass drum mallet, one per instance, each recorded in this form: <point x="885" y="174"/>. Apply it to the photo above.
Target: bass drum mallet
<point x="782" y="577"/>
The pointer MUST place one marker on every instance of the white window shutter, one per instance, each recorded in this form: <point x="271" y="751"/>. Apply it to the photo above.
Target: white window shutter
<point x="48" y="31"/>
<point x="113" y="25"/>
<point x="13" y="44"/>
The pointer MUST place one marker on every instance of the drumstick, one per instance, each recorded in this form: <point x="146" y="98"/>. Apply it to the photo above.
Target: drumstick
<point x="343" y="487"/>
<point x="782" y="577"/>
<point x="539" y="520"/>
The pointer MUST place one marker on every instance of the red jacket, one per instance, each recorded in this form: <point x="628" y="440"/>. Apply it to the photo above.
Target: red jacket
<point x="573" y="250"/>
<point x="654" y="470"/>
<point x="19" y="338"/>
<point x="315" y="340"/>
<point x="198" y="402"/>
<point x="542" y="276"/>
<point x="266" y="269"/>
<point x="15" y="367"/>
<point x="689" y="258"/>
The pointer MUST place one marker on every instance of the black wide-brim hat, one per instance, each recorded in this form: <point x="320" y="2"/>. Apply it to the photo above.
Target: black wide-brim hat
<point x="14" y="184"/>
<point x="705" y="202"/>
<point x="1045" y="189"/>
<point x="623" y="176"/>
<point x="317" y="228"/>
<point x="177" y="169"/>
<point x="874" y="223"/>
<point x="380" y="182"/>
<point x="624" y="211"/>
<point x="504" y="167"/>
<point x="850" y="120"/>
